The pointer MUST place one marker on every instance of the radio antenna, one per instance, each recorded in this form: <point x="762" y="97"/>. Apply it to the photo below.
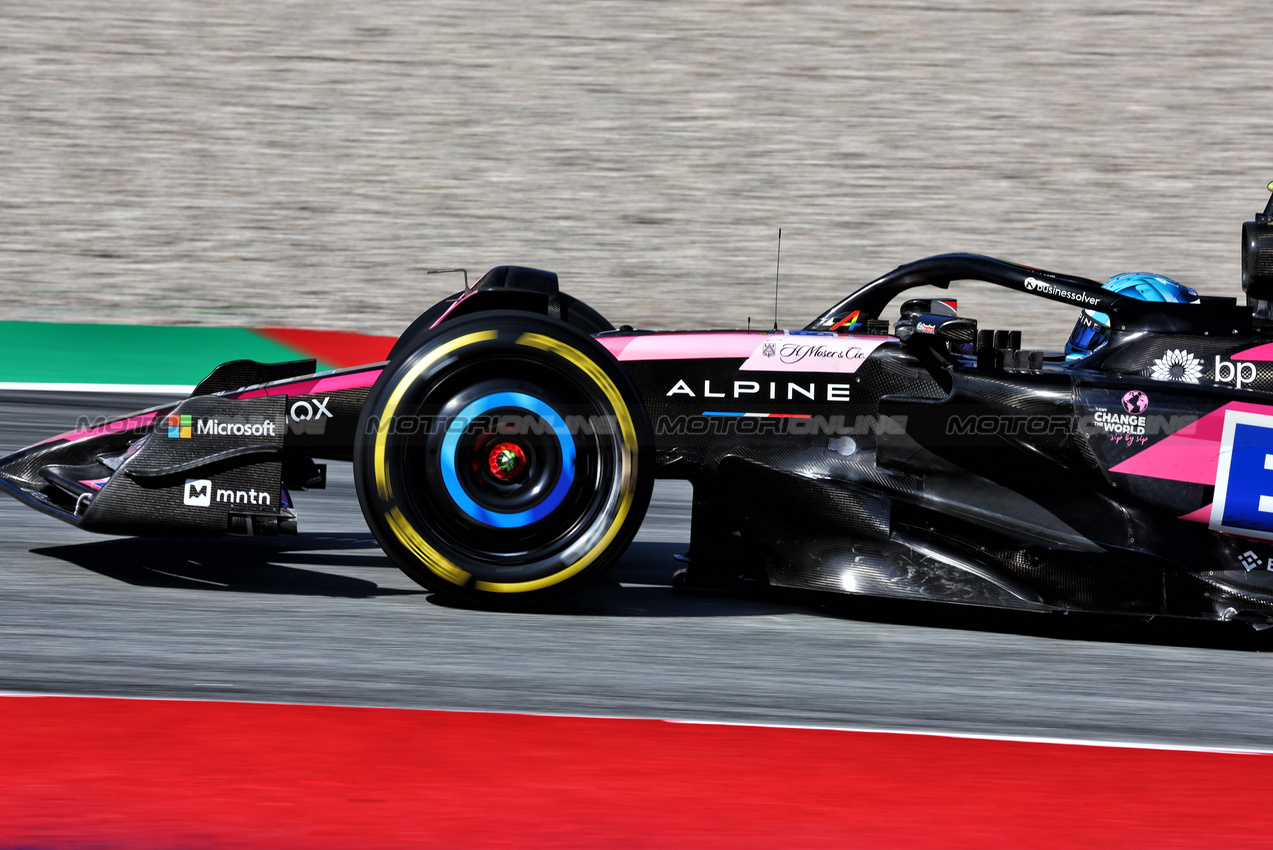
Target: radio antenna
<point x="448" y="271"/>
<point x="777" y="269"/>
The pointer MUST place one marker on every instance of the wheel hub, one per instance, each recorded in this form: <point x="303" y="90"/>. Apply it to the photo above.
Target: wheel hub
<point x="506" y="461"/>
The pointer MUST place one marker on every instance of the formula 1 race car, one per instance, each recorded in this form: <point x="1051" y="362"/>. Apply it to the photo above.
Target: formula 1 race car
<point x="504" y="454"/>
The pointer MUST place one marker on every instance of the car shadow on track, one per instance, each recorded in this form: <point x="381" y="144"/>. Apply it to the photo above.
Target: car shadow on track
<point x="270" y="565"/>
<point x="639" y="585"/>
<point x="1101" y="628"/>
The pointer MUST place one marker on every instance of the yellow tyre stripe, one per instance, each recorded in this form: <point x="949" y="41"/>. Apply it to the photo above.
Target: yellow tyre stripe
<point x="628" y="429"/>
<point x="426" y="553"/>
<point x="404" y="531"/>
<point x="391" y="406"/>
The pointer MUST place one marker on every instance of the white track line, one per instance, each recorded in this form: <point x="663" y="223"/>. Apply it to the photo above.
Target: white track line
<point x="929" y="733"/>
<point x="155" y="389"/>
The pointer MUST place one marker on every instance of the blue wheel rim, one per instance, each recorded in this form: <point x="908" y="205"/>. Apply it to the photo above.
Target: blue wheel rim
<point x="450" y="446"/>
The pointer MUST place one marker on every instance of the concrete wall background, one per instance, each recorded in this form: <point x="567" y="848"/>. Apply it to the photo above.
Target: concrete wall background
<point x="302" y="163"/>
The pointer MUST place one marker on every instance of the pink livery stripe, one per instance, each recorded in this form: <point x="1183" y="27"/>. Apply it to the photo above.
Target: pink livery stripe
<point x="758" y="415"/>
<point x="1192" y="453"/>
<point x="762" y="351"/>
<point x="321" y="384"/>
<point x="684" y="346"/>
<point x="132" y="423"/>
<point x="1260" y="352"/>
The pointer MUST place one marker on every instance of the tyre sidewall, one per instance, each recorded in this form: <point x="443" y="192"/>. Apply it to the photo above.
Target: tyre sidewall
<point x="542" y="364"/>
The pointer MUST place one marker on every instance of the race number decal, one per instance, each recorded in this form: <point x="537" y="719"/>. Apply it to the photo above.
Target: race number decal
<point x="1244" y="476"/>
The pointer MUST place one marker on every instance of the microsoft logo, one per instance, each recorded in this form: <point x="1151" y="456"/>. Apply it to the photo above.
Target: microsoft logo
<point x="179" y="427"/>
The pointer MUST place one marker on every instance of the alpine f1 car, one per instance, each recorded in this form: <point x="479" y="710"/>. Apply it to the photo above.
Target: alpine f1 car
<point x="504" y="453"/>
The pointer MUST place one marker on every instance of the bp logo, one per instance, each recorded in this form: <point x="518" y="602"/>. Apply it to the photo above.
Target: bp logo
<point x="1177" y="365"/>
<point x="179" y="427"/>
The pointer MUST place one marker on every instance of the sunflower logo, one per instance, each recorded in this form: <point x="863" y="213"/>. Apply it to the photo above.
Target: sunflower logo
<point x="1177" y="365"/>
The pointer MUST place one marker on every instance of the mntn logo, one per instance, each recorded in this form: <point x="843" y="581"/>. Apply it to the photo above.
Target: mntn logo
<point x="1243" y="501"/>
<point x="179" y="426"/>
<point x="198" y="492"/>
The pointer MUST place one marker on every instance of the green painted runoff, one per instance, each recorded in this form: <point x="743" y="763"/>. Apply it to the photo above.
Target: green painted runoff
<point x="53" y="353"/>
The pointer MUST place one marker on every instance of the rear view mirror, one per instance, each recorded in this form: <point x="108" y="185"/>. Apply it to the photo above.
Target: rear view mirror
<point x="929" y="327"/>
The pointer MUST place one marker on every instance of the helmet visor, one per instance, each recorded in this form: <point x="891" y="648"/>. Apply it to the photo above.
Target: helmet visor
<point x="1088" y="335"/>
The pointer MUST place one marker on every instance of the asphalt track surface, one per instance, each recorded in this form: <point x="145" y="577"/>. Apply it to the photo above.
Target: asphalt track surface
<point x="325" y="618"/>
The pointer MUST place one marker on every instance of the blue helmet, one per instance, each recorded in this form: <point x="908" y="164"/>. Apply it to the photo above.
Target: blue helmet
<point x="1092" y="329"/>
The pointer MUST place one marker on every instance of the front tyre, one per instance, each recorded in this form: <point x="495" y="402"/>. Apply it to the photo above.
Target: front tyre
<point x="503" y="459"/>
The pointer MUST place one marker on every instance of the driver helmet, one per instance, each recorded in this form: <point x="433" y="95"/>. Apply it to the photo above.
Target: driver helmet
<point x="1092" y="329"/>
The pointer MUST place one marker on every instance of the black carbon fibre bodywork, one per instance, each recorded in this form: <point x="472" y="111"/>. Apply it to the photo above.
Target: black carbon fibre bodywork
<point x="229" y="470"/>
<point x="974" y="484"/>
<point x="936" y="463"/>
